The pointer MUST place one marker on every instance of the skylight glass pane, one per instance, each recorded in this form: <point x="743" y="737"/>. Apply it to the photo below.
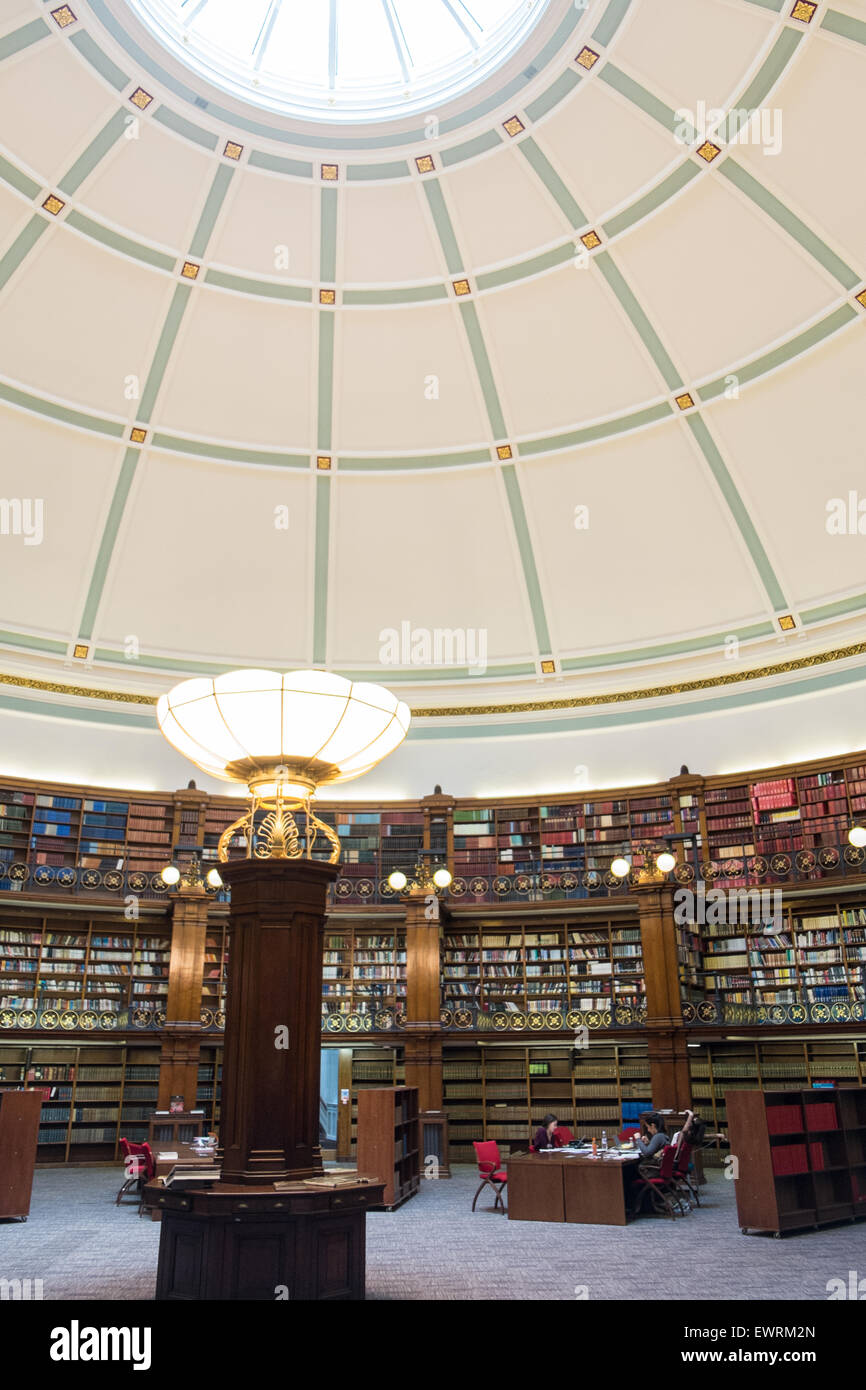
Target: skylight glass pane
<point x="231" y="27"/>
<point x="298" y="48"/>
<point x="432" y="34"/>
<point x="365" y="49"/>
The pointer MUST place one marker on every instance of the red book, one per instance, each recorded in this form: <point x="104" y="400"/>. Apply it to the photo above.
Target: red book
<point x="816" y="1154"/>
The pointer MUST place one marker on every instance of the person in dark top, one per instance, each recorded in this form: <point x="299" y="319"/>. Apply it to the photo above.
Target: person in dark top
<point x="651" y="1146"/>
<point x="544" y="1135"/>
<point x="692" y="1132"/>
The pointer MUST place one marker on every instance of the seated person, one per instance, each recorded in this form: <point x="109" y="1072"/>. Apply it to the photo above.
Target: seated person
<point x="652" y="1139"/>
<point x="545" y="1138"/>
<point x="692" y="1132"/>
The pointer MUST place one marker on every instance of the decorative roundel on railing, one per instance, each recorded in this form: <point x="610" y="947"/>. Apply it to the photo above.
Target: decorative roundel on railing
<point x="343" y="888"/>
<point x="462" y="1018"/>
<point x="18" y="872"/>
<point x="535" y="1022"/>
<point x="593" y="1018"/>
<point x="852" y="854"/>
<point x="49" y="1019"/>
<point x="88" y="1021"/>
<point x="68" y="1021"/>
<point x="219" y="1018"/>
<point x="91" y="878"/>
<point x="384" y="1020"/>
<point x="385" y="889"/>
<point x="684" y="873"/>
<point x="820" y="1013"/>
<point x="761" y="1015"/>
<point x="499" y="1022"/>
<point x="829" y="858"/>
<point x="26" y="1018"/>
<point x="632" y="878"/>
<point x="840" y="1012"/>
<point x="689" y="1013"/>
<point x="108" y="1021"/>
<point x="113" y="879"/>
<point x="354" y="1023"/>
<point x="137" y="882"/>
<point x="159" y="1017"/>
<point x="709" y="871"/>
<point x="66" y="876"/>
<point x="333" y="1023"/>
<point x="568" y="881"/>
<point x="457" y="887"/>
<point x="734" y="868"/>
<point x="43" y="873"/>
<point x="445" y="1017"/>
<point x="206" y="1018"/>
<point x="400" y="1019"/>
<point x="158" y="884"/>
<point x="592" y="880"/>
<point x="780" y="864"/>
<point x="501" y="885"/>
<point x="549" y="883"/>
<point x="611" y="881"/>
<point x="365" y="888"/>
<point x="522" y="883"/>
<point x="517" y="1021"/>
<point x="478" y="886"/>
<point x="805" y="861"/>
<point x="758" y="866"/>
<point x="7" y="1018"/>
<point x="778" y="1013"/>
<point x="553" y="1020"/>
<point x="574" y="1019"/>
<point x="707" y="1012"/>
<point x="858" y="1012"/>
<point x="624" y="1014"/>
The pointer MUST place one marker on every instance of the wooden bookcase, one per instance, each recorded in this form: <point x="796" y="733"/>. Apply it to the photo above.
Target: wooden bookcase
<point x="389" y="1141"/>
<point x="801" y="1157"/>
<point x="364" y="968"/>
<point x="19" y="1128"/>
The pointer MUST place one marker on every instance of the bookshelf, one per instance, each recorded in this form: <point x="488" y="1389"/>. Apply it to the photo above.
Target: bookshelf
<point x="209" y="1086"/>
<point x="215" y="973"/>
<point x="364" y="968"/>
<point x="372" y="1068"/>
<point x="802" y="1157"/>
<point x="389" y="1139"/>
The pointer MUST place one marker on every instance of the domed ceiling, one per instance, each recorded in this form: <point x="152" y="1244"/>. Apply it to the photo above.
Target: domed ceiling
<point x="538" y="402"/>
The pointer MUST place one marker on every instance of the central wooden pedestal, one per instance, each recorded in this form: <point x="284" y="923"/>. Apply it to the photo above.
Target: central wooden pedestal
<point x="243" y="1238"/>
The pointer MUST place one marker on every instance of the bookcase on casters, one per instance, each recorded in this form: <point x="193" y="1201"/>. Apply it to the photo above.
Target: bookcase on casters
<point x="19" y="1129"/>
<point x="801" y="1157"/>
<point x="388" y="1141"/>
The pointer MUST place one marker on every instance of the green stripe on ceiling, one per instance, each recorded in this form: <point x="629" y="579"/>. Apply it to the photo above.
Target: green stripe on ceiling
<point x="266" y="289"/>
<point x="86" y="714"/>
<point x="726" y="486"/>
<point x="211" y="210"/>
<point x="854" y="604"/>
<point x="774" y="5"/>
<point x="707" y="643"/>
<point x="328" y="238"/>
<point x="640" y="97"/>
<point x="436" y="200"/>
<point x="298" y="168"/>
<point x="642" y="207"/>
<point x="37" y="405"/>
<point x="555" y="93"/>
<point x="534" y="266"/>
<point x="396" y="169"/>
<point x="409" y="294"/>
<point x="107" y="544"/>
<point x="648" y="336"/>
<point x="845" y="25"/>
<point x="124" y="244"/>
<point x="181" y="126"/>
<point x="422" y="730"/>
<point x="611" y="20"/>
<point x="326" y="381"/>
<point x="760" y="366"/>
<point x="23" y="38"/>
<point x="789" y="222"/>
<point x="566" y="202"/>
<point x="36" y="644"/>
<point x="96" y="150"/>
<point x="163" y="352"/>
<point x="527" y="556"/>
<point x="99" y="60"/>
<point x="16" y="179"/>
<point x="320" y="572"/>
<point x="397" y="674"/>
<point x="145" y="662"/>
<point x="767" y="75"/>
<point x="228" y="454"/>
<point x="21" y="247"/>
<point x="590" y="434"/>
<point x="414" y="461"/>
<point x="458" y="153"/>
<point x="469" y="314"/>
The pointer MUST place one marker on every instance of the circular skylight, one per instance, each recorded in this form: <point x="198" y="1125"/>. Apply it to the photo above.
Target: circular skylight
<point x="342" y="60"/>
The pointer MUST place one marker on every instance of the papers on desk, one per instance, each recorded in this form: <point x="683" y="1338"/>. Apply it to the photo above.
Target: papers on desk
<point x="167" y="1154"/>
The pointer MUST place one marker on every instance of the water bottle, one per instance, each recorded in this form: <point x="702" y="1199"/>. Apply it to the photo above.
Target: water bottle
<point x="604" y="1141"/>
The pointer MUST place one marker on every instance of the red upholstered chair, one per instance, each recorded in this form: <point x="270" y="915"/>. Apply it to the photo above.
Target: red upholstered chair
<point x="490" y="1171"/>
<point x="563" y="1134"/>
<point x="139" y="1167"/>
<point x="684" y="1183"/>
<point x="659" y="1184"/>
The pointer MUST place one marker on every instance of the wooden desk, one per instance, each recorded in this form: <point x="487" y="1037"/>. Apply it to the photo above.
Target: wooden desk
<point x="186" y="1154"/>
<point x="564" y="1187"/>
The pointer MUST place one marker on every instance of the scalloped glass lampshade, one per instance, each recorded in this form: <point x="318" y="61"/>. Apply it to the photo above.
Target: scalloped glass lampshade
<point x="283" y="733"/>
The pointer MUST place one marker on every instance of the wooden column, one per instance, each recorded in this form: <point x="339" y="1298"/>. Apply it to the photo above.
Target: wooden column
<point x="270" y="1109"/>
<point x="423" y="1028"/>
<point x="181" y="1038"/>
<point x="667" y="1041"/>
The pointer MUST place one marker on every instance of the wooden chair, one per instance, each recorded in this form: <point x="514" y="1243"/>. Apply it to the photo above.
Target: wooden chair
<point x="490" y="1171"/>
<point x="657" y="1182"/>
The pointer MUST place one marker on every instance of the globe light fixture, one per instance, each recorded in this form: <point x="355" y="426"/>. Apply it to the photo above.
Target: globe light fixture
<point x="857" y="836"/>
<point x="170" y="875"/>
<point x="397" y="880"/>
<point x="442" y="877"/>
<point x="426" y="878"/>
<point x="620" y="867"/>
<point x="214" y="878"/>
<point x="284" y="735"/>
<point x="666" y="861"/>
